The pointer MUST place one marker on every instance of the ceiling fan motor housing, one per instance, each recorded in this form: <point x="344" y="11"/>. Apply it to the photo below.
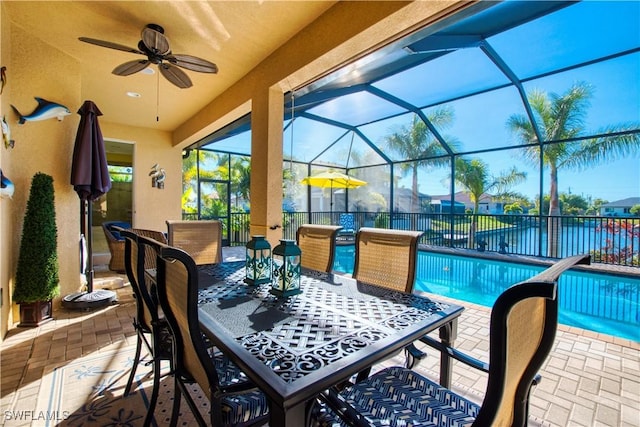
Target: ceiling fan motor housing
<point x="153" y="57"/>
<point x="156" y="27"/>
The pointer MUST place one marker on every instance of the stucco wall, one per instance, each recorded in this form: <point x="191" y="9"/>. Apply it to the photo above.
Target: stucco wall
<point x="43" y="146"/>
<point x="5" y="256"/>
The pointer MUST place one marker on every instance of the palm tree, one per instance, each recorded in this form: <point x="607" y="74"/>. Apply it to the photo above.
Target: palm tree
<point x="475" y="178"/>
<point x="416" y="142"/>
<point x="239" y="177"/>
<point x="560" y="118"/>
<point x="203" y="165"/>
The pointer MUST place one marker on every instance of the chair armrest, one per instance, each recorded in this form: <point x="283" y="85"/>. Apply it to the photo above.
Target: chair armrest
<point x="465" y="358"/>
<point x="456" y="354"/>
<point x="342" y="409"/>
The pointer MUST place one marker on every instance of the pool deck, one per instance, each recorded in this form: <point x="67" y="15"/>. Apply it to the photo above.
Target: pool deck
<point x="589" y="379"/>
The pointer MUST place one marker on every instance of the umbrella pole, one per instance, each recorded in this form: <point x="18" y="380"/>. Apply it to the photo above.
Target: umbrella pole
<point x="83" y="241"/>
<point x="90" y="299"/>
<point x="331" y="203"/>
<point x="89" y="245"/>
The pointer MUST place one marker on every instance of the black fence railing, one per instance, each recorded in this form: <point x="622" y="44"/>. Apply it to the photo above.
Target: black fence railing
<point x="611" y="240"/>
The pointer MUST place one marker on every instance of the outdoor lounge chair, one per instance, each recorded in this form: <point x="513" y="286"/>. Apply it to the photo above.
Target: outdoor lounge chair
<point x="116" y="244"/>
<point x="523" y="325"/>
<point x="318" y="246"/>
<point x="139" y="257"/>
<point x="201" y="239"/>
<point x="234" y="399"/>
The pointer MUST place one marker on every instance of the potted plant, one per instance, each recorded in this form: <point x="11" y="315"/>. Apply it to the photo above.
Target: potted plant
<point x="37" y="275"/>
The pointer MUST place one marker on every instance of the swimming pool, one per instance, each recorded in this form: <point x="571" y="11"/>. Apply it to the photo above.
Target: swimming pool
<point x="602" y="303"/>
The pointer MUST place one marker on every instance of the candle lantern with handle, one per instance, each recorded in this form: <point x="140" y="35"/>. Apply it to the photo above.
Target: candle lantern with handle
<point x="258" y="264"/>
<point x="286" y="269"/>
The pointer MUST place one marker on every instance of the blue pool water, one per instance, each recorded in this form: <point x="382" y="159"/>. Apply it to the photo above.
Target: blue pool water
<point x="602" y="303"/>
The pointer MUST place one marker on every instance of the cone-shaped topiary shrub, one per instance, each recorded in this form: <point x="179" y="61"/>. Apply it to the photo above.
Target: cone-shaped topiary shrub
<point x="37" y="276"/>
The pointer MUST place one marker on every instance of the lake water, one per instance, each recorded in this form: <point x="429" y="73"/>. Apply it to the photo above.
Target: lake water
<point x="572" y="241"/>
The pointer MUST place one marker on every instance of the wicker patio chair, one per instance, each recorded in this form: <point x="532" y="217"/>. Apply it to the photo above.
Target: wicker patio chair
<point x="318" y="246"/>
<point x="201" y="239"/>
<point x="234" y="399"/>
<point x="139" y="257"/>
<point x="116" y="244"/>
<point x="523" y="325"/>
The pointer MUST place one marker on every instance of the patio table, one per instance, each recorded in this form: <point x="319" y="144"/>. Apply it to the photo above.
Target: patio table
<point x="294" y="348"/>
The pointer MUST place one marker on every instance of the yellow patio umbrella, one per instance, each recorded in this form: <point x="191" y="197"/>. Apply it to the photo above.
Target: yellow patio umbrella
<point x="333" y="180"/>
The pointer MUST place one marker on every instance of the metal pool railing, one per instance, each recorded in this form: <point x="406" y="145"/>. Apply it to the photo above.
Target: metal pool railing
<point x="610" y="240"/>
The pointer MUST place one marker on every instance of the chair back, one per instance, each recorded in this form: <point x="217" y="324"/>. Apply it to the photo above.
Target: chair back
<point x="347" y="222"/>
<point x="178" y="294"/>
<point x="318" y="246"/>
<point x="386" y="258"/>
<point x="201" y="239"/>
<point x="524" y="319"/>
<point x="112" y="229"/>
<point x="138" y="258"/>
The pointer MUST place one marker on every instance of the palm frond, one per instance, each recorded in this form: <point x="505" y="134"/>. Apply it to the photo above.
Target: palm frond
<point x="604" y="149"/>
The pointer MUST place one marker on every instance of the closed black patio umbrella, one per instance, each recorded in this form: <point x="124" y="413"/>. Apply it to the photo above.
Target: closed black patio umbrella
<point x="90" y="179"/>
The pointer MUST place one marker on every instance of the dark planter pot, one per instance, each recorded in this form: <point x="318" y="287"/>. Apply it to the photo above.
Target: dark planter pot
<point x="35" y="313"/>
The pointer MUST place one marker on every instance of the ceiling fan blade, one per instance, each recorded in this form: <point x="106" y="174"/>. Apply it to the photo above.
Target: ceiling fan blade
<point x="155" y="41"/>
<point x="131" y="67"/>
<point x="193" y="63"/>
<point x="175" y="75"/>
<point x="110" y="45"/>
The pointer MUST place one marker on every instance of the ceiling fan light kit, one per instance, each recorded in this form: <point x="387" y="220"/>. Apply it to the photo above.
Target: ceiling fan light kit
<point x="155" y="46"/>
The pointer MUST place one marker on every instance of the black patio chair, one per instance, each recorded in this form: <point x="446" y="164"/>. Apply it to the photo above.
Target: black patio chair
<point x="524" y="320"/>
<point x="235" y="401"/>
<point x="388" y="258"/>
<point x="318" y="246"/>
<point x="201" y="239"/>
<point x="149" y="321"/>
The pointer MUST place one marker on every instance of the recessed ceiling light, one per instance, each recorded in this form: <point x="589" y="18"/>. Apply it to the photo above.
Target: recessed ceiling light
<point x="134" y="94"/>
<point x="148" y="70"/>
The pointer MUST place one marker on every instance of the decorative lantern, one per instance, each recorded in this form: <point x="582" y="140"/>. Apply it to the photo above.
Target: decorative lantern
<point x="258" y="264"/>
<point x="286" y="269"/>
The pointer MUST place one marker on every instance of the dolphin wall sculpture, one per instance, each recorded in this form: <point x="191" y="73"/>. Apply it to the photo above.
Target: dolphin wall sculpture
<point x="6" y="134"/>
<point x="45" y="110"/>
<point x="6" y="186"/>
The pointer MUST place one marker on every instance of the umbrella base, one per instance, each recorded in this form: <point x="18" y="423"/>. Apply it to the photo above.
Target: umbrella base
<point x="89" y="300"/>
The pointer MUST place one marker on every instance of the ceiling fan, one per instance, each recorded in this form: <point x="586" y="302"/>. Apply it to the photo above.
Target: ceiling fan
<point x="155" y="46"/>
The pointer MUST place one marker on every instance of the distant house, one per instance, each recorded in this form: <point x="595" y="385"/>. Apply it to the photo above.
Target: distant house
<point x="485" y="206"/>
<point x="403" y="199"/>
<point x="444" y="207"/>
<point x="619" y="207"/>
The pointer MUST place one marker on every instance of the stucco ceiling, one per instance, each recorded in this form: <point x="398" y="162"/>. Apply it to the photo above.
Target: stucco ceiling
<point x="235" y="35"/>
